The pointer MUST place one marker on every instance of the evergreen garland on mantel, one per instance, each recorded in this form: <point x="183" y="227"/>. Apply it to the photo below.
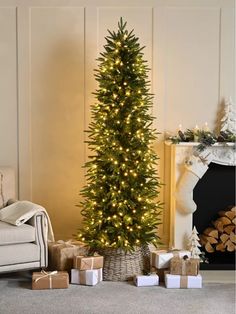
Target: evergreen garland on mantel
<point x="203" y="137"/>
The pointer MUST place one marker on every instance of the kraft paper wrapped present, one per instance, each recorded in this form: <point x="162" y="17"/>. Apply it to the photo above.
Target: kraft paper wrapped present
<point x="61" y="254"/>
<point x="184" y="266"/>
<point x="146" y="280"/>
<point x="161" y="258"/>
<point x="183" y="282"/>
<point x="86" y="277"/>
<point x="50" y="280"/>
<point x="88" y="262"/>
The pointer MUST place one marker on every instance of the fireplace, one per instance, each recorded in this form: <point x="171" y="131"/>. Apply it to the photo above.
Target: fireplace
<point x="214" y="193"/>
<point x="223" y="161"/>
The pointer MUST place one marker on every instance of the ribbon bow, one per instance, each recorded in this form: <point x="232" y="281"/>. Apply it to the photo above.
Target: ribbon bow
<point x="71" y="243"/>
<point x="45" y="275"/>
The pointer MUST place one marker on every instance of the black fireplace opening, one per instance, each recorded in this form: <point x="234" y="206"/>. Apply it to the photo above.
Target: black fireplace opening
<point x="214" y="192"/>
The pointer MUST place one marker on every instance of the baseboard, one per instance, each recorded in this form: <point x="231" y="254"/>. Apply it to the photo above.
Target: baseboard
<point x="220" y="276"/>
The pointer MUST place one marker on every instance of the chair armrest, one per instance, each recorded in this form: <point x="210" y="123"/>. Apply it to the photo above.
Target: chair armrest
<point x="11" y="201"/>
<point x="39" y="222"/>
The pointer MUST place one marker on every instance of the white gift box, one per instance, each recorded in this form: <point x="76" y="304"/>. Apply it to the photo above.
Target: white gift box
<point x="151" y="280"/>
<point x="161" y="259"/>
<point x="86" y="277"/>
<point x="183" y="282"/>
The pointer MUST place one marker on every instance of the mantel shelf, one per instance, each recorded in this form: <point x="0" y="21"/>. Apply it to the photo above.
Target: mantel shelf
<point x="218" y="144"/>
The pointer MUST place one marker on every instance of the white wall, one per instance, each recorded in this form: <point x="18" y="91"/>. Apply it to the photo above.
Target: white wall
<point x="48" y="52"/>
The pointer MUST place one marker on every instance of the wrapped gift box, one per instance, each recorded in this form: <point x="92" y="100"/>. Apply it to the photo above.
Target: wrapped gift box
<point x="150" y="280"/>
<point x="178" y="281"/>
<point x="184" y="266"/>
<point x="50" y="280"/>
<point x="86" y="277"/>
<point x="61" y="254"/>
<point x="161" y="259"/>
<point x="88" y="262"/>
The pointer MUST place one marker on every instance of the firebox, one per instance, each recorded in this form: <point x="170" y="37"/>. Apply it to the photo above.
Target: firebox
<point x="214" y="195"/>
<point x="198" y="192"/>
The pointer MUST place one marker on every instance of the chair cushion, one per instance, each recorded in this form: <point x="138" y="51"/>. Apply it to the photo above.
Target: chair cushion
<point x="10" y="234"/>
<point x="19" y="253"/>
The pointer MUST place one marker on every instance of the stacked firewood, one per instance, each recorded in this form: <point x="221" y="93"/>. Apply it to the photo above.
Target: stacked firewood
<point x="221" y="236"/>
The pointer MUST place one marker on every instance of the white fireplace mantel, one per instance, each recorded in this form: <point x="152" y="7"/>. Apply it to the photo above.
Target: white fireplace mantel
<point x="222" y="153"/>
<point x="176" y="156"/>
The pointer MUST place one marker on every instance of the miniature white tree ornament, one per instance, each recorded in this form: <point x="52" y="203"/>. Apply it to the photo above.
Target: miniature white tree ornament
<point x="194" y="244"/>
<point x="228" y="122"/>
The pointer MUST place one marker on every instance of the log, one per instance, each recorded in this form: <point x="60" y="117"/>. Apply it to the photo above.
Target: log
<point x="211" y="232"/>
<point x="230" y="246"/>
<point x="208" y="239"/>
<point x="211" y="240"/>
<point x="220" y="247"/>
<point x="228" y="229"/>
<point x="209" y="248"/>
<point x="218" y="225"/>
<point x="232" y="237"/>
<point x="229" y="214"/>
<point x="234" y="221"/>
<point x="233" y="209"/>
<point x="226" y="221"/>
<point x="224" y="237"/>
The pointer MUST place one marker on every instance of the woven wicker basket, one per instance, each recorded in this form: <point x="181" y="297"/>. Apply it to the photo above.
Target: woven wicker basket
<point x="121" y="266"/>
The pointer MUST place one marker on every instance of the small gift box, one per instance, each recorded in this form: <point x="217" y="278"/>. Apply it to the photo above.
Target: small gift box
<point x="88" y="262"/>
<point x="61" y="254"/>
<point x="183" y="282"/>
<point x="50" y="280"/>
<point x="161" y="258"/>
<point x="86" y="277"/>
<point x="160" y="272"/>
<point x="146" y="280"/>
<point x="184" y="266"/>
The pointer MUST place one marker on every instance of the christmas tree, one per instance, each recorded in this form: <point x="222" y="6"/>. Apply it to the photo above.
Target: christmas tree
<point x="228" y="122"/>
<point x="194" y="244"/>
<point x="120" y="207"/>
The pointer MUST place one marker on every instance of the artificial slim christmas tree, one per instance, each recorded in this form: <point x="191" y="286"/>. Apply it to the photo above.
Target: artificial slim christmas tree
<point x="120" y="209"/>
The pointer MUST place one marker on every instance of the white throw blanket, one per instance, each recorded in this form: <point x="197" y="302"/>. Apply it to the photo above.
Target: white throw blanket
<point x="21" y="211"/>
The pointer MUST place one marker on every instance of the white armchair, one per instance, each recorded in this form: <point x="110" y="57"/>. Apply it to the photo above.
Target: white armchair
<point x="25" y="246"/>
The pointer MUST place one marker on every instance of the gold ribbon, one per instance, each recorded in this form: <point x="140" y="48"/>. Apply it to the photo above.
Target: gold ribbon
<point x="183" y="264"/>
<point x="69" y="243"/>
<point x="85" y="261"/>
<point x="183" y="282"/>
<point x="82" y="277"/>
<point x="175" y="252"/>
<point x="45" y="275"/>
<point x="155" y="254"/>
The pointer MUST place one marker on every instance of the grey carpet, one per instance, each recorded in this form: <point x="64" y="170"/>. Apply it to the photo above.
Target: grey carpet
<point x="16" y="297"/>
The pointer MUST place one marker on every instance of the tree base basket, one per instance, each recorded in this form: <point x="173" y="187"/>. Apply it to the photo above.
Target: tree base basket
<point x="122" y="266"/>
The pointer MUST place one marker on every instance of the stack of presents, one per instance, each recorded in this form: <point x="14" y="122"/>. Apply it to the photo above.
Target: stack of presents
<point x="69" y="263"/>
<point x="175" y="268"/>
